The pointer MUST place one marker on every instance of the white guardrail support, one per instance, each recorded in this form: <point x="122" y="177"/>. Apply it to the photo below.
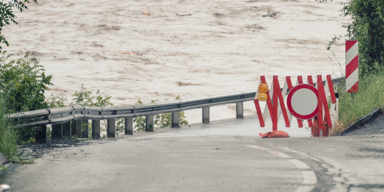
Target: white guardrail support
<point x="206" y="114"/>
<point x="149" y="123"/>
<point x="111" y="127"/>
<point x="76" y="128"/>
<point x="129" y="125"/>
<point x="96" y="129"/>
<point x="66" y="129"/>
<point x="84" y="128"/>
<point x="239" y="110"/>
<point x="176" y="119"/>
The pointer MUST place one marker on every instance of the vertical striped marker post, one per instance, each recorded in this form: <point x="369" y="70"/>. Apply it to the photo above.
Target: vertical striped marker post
<point x="352" y="64"/>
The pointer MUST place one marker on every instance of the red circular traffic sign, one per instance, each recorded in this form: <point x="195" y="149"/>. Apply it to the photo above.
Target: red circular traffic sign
<point x="302" y="102"/>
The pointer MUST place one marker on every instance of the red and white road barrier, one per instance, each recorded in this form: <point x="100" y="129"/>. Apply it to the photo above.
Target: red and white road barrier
<point x="352" y="66"/>
<point x="272" y="104"/>
<point x="304" y="102"/>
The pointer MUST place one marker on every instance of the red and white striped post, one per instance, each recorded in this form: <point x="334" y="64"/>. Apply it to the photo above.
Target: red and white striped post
<point x="352" y="66"/>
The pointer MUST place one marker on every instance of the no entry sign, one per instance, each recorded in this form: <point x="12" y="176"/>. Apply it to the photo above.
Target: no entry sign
<point x="302" y="102"/>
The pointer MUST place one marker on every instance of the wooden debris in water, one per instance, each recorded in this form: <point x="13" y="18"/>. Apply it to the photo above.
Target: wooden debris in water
<point x="184" y="14"/>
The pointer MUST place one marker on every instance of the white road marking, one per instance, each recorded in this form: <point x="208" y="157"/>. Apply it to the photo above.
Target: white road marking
<point x="309" y="177"/>
<point x="288" y="149"/>
<point x="305" y="188"/>
<point x="258" y="147"/>
<point x="351" y="53"/>
<point x="301" y="153"/>
<point x="282" y="155"/>
<point x="299" y="164"/>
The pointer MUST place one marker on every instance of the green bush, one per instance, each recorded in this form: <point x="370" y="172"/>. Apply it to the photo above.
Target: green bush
<point x="357" y="105"/>
<point x="23" y="84"/>
<point x="159" y="120"/>
<point x="8" y="136"/>
<point x="56" y="101"/>
<point x="86" y="98"/>
<point x="368" y="28"/>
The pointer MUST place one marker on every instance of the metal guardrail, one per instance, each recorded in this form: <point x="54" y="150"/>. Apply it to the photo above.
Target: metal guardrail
<point x="60" y="117"/>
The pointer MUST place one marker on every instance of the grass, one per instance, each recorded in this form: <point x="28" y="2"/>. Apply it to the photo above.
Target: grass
<point x="357" y="105"/>
<point x="3" y="168"/>
<point x="8" y="137"/>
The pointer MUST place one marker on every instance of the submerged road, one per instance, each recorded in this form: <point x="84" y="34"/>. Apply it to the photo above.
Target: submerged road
<point x="223" y="156"/>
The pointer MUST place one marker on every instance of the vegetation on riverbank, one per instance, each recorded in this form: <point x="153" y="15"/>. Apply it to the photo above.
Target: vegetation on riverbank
<point x="8" y="136"/>
<point x="357" y="105"/>
<point x="367" y="27"/>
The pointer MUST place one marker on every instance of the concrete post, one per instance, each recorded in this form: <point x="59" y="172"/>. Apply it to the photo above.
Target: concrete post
<point x="176" y="119"/>
<point x="84" y="133"/>
<point x="78" y="128"/>
<point x="239" y="110"/>
<point x="129" y="126"/>
<point x="205" y="114"/>
<point x="96" y="129"/>
<point x="56" y="131"/>
<point x="149" y="123"/>
<point x="66" y="129"/>
<point x="111" y="128"/>
<point x="41" y="134"/>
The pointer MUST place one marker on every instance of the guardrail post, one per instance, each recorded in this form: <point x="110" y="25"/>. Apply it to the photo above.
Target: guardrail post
<point x="176" y="119"/>
<point x="96" y="129"/>
<point x="129" y="126"/>
<point x="239" y="110"/>
<point x="41" y="134"/>
<point x="84" y="134"/>
<point x="149" y="123"/>
<point x="73" y="127"/>
<point x="205" y="114"/>
<point x="111" y="128"/>
<point x="56" y="131"/>
<point x="66" y="129"/>
<point x="78" y="128"/>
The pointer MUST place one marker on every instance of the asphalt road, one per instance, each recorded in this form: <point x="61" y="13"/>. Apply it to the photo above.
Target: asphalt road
<point x="225" y="156"/>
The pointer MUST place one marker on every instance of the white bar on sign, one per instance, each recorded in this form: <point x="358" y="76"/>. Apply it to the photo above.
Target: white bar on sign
<point x="352" y="79"/>
<point x="352" y="53"/>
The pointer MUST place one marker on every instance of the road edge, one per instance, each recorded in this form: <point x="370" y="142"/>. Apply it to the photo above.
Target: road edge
<point x="360" y="122"/>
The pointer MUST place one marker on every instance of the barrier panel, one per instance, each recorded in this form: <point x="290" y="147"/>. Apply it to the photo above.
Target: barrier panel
<point x="305" y="102"/>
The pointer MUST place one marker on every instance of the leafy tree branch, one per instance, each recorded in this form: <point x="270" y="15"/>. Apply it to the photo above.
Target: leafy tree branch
<point x="7" y="16"/>
<point x="368" y="28"/>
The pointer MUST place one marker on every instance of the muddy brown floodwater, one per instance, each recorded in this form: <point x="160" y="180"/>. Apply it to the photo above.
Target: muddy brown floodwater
<point x="158" y="49"/>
